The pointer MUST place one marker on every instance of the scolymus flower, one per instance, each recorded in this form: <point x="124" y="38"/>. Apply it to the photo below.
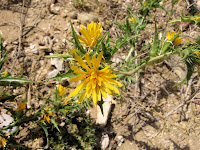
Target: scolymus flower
<point x="47" y="114"/>
<point x="90" y="35"/>
<point x="3" y="142"/>
<point x="132" y="19"/>
<point x="169" y="36"/>
<point x="21" y="106"/>
<point x="97" y="82"/>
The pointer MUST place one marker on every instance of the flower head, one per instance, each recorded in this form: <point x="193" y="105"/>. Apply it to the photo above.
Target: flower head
<point x="169" y="36"/>
<point x="4" y="74"/>
<point x="197" y="54"/>
<point x="21" y="106"/>
<point x="61" y="90"/>
<point x="132" y="19"/>
<point x="47" y="114"/>
<point x="90" y="35"/>
<point x="97" y="82"/>
<point x="3" y="142"/>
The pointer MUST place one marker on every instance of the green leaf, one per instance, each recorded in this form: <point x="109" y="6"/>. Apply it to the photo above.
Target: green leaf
<point x="55" y="124"/>
<point x="122" y="43"/>
<point x="45" y="131"/>
<point x="64" y="56"/>
<point x="97" y="47"/>
<point x="154" y="50"/>
<point x="60" y="76"/>
<point x="12" y="81"/>
<point x="77" y="43"/>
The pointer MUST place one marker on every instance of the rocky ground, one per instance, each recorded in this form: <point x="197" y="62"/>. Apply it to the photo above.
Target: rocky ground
<point x="142" y="117"/>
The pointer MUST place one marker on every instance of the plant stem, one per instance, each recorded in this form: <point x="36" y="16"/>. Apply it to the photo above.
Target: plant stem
<point x="152" y="60"/>
<point x="130" y="52"/>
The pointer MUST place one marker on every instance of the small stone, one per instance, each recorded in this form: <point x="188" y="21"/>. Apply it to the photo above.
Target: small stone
<point x="66" y="28"/>
<point x="32" y="46"/>
<point x="65" y="82"/>
<point x="198" y="4"/>
<point x="64" y="14"/>
<point x="104" y="141"/>
<point x="58" y="62"/>
<point x="34" y="51"/>
<point x="57" y="9"/>
<point x="53" y="73"/>
<point x="32" y="39"/>
<point x="6" y="120"/>
<point x="56" y="32"/>
<point x="103" y="118"/>
<point x="4" y="44"/>
<point x="121" y="140"/>
<point x="86" y="18"/>
<point x="73" y="15"/>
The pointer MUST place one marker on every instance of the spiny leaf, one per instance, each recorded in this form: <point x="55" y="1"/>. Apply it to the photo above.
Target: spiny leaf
<point x="45" y="131"/>
<point x="55" y="124"/>
<point x="77" y="43"/>
<point x="154" y="50"/>
<point x="60" y="76"/>
<point x="12" y="81"/>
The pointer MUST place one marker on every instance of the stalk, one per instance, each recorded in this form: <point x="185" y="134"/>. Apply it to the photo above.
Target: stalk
<point x="150" y="61"/>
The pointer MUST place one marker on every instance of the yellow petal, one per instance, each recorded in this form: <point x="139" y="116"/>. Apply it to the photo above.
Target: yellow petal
<point x="105" y="70"/>
<point x="82" y="97"/>
<point x="61" y="90"/>
<point x="103" y="92"/>
<point x="108" y="91"/>
<point x="94" y="61"/>
<point x="81" y="62"/>
<point x="77" y="78"/>
<point x="88" y="60"/>
<point x="112" y="81"/>
<point x="77" y="70"/>
<point x="78" y="88"/>
<point x="89" y="89"/>
<point x="111" y="87"/>
<point x="94" y="97"/>
<point x="98" y="93"/>
<point x="99" y="57"/>
<point x="107" y="75"/>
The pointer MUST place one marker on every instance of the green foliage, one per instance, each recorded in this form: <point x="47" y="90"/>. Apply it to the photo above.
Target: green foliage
<point x="194" y="19"/>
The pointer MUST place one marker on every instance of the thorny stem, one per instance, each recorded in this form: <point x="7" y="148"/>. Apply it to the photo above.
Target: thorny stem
<point x="152" y="60"/>
<point x="130" y="52"/>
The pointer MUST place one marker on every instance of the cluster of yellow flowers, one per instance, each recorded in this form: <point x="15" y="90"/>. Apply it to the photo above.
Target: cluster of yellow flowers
<point x="169" y="36"/>
<point x="97" y="82"/>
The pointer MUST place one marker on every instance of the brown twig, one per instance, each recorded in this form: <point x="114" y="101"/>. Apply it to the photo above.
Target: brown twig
<point x="187" y="101"/>
<point x="20" y="37"/>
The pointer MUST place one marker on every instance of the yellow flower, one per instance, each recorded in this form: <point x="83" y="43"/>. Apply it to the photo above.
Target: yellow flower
<point x="3" y="142"/>
<point x="132" y="19"/>
<point x="169" y="36"/>
<point x="145" y="3"/>
<point x="197" y="54"/>
<point x="97" y="82"/>
<point x="61" y="90"/>
<point x="47" y="114"/>
<point x="21" y="106"/>
<point x="66" y="101"/>
<point x="90" y="35"/>
<point x="4" y="74"/>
